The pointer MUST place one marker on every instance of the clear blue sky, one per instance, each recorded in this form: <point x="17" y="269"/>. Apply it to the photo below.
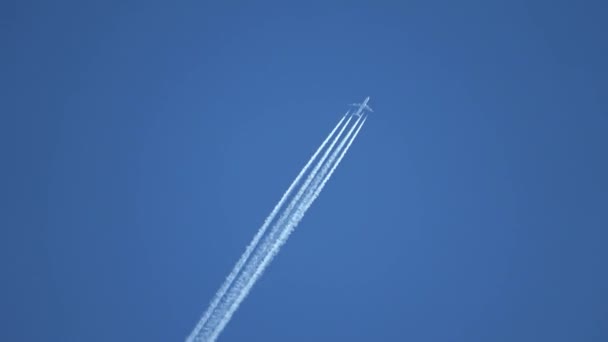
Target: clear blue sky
<point x="143" y="143"/>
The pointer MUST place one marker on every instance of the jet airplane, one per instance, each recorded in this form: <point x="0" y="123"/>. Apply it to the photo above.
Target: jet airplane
<point x="362" y="107"/>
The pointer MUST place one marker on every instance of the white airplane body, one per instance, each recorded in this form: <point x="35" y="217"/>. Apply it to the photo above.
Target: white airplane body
<point x="362" y="107"/>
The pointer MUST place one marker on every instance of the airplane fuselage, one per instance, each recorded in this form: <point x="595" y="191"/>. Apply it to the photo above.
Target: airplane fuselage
<point x="362" y="107"/>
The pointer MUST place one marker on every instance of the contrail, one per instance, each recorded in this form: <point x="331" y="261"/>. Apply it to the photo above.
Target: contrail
<point x="220" y="317"/>
<point x="265" y="245"/>
<point x="243" y="259"/>
<point x="270" y="251"/>
<point x="320" y="187"/>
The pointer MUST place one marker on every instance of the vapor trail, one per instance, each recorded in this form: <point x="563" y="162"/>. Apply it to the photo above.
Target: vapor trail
<point x="220" y="317"/>
<point x="320" y="187"/>
<point x="245" y="256"/>
<point x="269" y="248"/>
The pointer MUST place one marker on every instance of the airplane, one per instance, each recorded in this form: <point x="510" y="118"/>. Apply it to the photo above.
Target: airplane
<point x="362" y="107"/>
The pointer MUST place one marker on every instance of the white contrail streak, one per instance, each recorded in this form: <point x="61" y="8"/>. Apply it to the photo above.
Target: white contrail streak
<point x="333" y="168"/>
<point x="220" y="317"/>
<point x="269" y="251"/>
<point x="252" y="245"/>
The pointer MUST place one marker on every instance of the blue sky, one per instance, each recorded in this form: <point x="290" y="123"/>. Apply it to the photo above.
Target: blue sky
<point x="143" y="144"/>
